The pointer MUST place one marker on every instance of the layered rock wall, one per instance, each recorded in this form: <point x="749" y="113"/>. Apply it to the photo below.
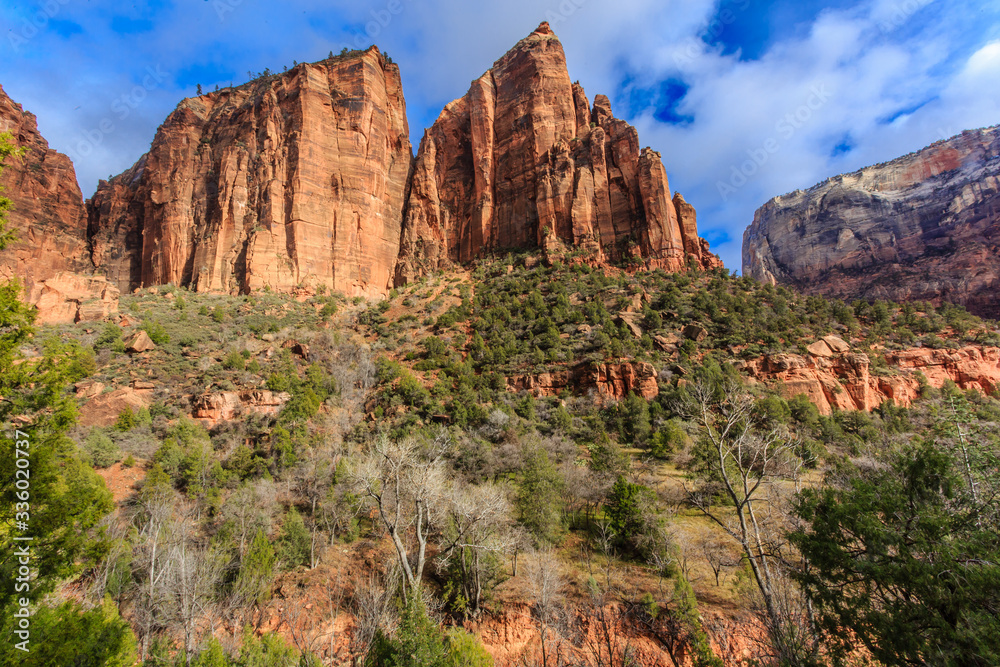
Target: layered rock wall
<point x="522" y="160"/>
<point x="293" y="180"/>
<point x="307" y="179"/>
<point x="47" y="214"/>
<point x="842" y="380"/>
<point x="925" y="226"/>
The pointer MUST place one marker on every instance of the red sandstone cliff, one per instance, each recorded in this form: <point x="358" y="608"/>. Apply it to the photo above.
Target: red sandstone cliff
<point x="47" y="213"/>
<point x="307" y="178"/>
<point x="293" y="179"/>
<point x="523" y="160"/>
<point x="925" y="226"/>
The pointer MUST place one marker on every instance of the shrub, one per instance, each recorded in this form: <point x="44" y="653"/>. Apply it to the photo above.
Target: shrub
<point x="294" y="543"/>
<point x="74" y="636"/>
<point x="625" y="507"/>
<point x="126" y="420"/>
<point x="419" y="642"/>
<point x="234" y="361"/>
<point x="102" y="449"/>
<point x="668" y="439"/>
<point x="156" y="332"/>
<point x="109" y="338"/>
<point x="257" y="569"/>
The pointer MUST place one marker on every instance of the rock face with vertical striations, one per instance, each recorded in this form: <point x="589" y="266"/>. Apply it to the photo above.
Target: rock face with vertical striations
<point x="47" y="213"/>
<point x="293" y="180"/>
<point x="524" y="161"/>
<point x="925" y="226"/>
<point x="305" y="179"/>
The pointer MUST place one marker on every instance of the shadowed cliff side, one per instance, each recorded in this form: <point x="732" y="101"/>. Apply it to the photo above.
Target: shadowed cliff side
<point x="925" y="226"/>
<point x="47" y="214"/>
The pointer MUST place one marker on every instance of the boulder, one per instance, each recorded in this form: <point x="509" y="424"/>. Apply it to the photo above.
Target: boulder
<point x="103" y="410"/>
<point x="631" y="321"/>
<point x="836" y="343"/>
<point x="89" y="389"/>
<point x="299" y="349"/>
<point x="820" y="349"/>
<point x="695" y="332"/>
<point x="667" y="342"/>
<point x="215" y="407"/>
<point x="140" y="342"/>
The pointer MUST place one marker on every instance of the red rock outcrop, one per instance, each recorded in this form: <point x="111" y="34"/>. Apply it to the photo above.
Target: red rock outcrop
<point x="305" y="179"/>
<point x="47" y="213"/>
<point x="297" y="179"/>
<point x="925" y="226"/>
<point x="842" y="380"/>
<point x="103" y="409"/>
<point x="212" y="408"/>
<point x="523" y="161"/>
<point x="67" y="297"/>
<point x="611" y="380"/>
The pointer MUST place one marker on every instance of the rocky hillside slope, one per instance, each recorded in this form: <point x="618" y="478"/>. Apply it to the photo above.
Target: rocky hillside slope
<point x="925" y="226"/>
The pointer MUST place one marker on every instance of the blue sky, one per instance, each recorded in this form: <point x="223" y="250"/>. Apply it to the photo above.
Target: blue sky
<point x="745" y="99"/>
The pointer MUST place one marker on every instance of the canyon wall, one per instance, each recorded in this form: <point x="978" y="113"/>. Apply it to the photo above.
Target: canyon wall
<point x="523" y="160"/>
<point x="306" y="179"/>
<point x="47" y="215"/>
<point x="293" y="180"/>
<point x="925" y="226"/>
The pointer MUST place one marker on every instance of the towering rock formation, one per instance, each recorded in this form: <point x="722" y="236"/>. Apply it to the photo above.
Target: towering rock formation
<point x="307" y="178"/>
<point x="925" y="226"/>
<point x="47" y="214"/>
<point x="292" y="180"/>
<point x="523" y="160"/>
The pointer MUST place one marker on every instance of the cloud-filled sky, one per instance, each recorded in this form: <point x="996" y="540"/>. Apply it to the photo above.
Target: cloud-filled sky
<point x="745" y="99"/>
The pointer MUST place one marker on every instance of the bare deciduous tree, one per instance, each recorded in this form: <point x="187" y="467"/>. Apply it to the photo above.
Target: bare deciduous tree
<point x="718" y="553"/>
<point x="152" y="516"/>
<point x="545" y="583"/>
<point x="249" y="508"/>
<point x="191" y="573"/>
<point x="405" y="482"/>
<point x="743" y="462"/>
<point x="478" y="527"/>
<point x="374" y="606"/>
